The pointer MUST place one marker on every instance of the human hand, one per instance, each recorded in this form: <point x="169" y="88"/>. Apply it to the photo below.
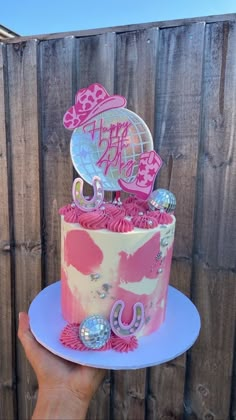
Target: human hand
<point x="65" y="388"/>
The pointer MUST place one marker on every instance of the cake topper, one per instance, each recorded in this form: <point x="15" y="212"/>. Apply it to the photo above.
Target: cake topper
<point x="111" y="143"/>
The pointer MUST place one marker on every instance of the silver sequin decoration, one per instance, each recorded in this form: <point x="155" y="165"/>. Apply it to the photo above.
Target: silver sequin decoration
<point x="164" y="242"/>
<point x="162" y="200"/>
<point x="95" y="276"/>
<point x="94" y="331"/>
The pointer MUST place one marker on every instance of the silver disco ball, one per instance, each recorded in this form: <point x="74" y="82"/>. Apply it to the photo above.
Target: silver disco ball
<point x="94" y="331"/>
<point x="108" y="154"/>
<point x="162" y="199"/>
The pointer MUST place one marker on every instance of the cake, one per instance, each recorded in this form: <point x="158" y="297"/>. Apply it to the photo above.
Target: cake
<point x="115" y="255"/>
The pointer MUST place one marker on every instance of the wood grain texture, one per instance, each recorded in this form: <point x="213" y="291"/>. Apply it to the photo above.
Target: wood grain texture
<point x="178" y="99"/>
<point x="95" y="60"/>
<point x="23" y="105"/>
<point x="128" y="28"/>
<point x="180" y="77"/>
<point x="56" y="93"/>
<point x="135" y="79"/>
<point x="217" y="171"/>
<point x="209" y="376"/>
<point x="210" y="371"/>
<point x="7" y="375"/>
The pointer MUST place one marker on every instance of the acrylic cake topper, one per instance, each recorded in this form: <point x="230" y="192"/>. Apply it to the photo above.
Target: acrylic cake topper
<point x="110" y="143"/>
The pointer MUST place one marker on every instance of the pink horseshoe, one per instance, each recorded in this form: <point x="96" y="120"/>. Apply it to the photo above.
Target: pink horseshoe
<point x="80" y="201"/>
<point x="117" y="325"/>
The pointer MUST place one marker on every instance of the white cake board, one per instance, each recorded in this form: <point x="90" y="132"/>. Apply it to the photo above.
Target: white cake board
<point x="176" y="335"/>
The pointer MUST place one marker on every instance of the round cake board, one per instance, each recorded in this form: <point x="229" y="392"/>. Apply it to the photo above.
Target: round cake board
<point x="176" y="335"/>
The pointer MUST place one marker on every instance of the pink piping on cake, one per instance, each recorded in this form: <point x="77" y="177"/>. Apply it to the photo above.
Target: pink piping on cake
<point x="93" y="220"/>
<point x="120" y="225"/>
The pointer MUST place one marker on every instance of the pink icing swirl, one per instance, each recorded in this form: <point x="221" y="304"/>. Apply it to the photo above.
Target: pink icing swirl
<point x="133" y="209"/>
<point x="124" y="345"/>
<point x="143" y="204"/>
<point x="93" y="220"/>
<point x="114" y="211"/>
<point x="120" y="225"/>
<point x="162" y="217"/>
<point x="63" y="210"/>
<point x="129" y="200"/>
<point x="72" y="215"/>
<point x="70" y="337"/>
<point x="107" y="346"/>
<point x="144" y="222"/>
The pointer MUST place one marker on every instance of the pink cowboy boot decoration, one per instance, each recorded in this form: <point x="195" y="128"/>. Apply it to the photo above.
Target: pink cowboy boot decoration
<point x="149" y="165"/>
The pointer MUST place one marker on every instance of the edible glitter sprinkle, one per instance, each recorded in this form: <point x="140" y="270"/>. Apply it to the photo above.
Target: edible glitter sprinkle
<point x="95" y="276"/>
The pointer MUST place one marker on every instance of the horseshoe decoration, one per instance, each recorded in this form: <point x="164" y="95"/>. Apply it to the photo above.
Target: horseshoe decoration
<point x="117" y="326"/>
<point x="80" y="201"/>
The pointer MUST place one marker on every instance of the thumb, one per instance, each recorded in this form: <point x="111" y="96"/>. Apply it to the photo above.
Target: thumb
<point x="30" y="345"/>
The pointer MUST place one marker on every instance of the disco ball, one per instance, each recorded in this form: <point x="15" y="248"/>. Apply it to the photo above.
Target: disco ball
<point x="109" y="146"/>
<point x="94" y="331"/>
<point x="162" y="200"/>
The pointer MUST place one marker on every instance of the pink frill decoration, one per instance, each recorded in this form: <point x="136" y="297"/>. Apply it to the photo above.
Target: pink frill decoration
<point x="143" y="204"/>
<point x="120" y="225"/>
<point x="144" y="222"/>
<point x="114" y="211"/>
<point x="63" y="210"/>
<point x="133" y="209"/>
<point x="129" y="200"/>
<point x="72" y="215"/>
<point x="70" y="338"/>
<point x="162" y="217"/>
<point x="124" y="345"/>
<point x="93" y="220"/>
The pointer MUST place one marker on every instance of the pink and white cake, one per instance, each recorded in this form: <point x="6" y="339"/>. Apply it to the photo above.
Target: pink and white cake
<point x="115" y="256"/>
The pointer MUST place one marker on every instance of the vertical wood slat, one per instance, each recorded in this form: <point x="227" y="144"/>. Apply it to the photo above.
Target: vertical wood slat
<point x="7" y="392"/>
<point x="135" y="79"/>
<point x="209" y="382"/>
<point x="214" y="284"/>
<point x="95" y="58"/>
<point x="178" y="96"/>
<point x="23" y="105"/>
<point x="56" y="81"/>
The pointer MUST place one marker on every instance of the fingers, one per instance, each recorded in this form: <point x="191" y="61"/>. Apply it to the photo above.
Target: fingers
<point x="30" y="345"/>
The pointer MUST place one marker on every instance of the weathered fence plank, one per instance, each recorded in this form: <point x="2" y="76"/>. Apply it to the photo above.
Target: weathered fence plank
<point x="181" y="79"/>
<point x="214" y="287"/>
<point x="24" y="143"/>
<point x="7" y="375"/>
<point x="95" y="59"/>
<point x="56" y="93"/>
<point x="135" y="79"/>
<point x="178" y="98"/>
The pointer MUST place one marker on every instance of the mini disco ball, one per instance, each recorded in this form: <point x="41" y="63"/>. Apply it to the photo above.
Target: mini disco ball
<point x="94" y="331"/>
<point x="162" y="200"/>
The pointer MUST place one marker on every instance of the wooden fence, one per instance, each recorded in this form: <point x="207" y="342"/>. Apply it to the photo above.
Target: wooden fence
<point x="180" y="77"/>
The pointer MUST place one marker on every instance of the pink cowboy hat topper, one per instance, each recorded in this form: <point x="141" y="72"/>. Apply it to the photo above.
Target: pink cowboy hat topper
<point x="90" y="102"/>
